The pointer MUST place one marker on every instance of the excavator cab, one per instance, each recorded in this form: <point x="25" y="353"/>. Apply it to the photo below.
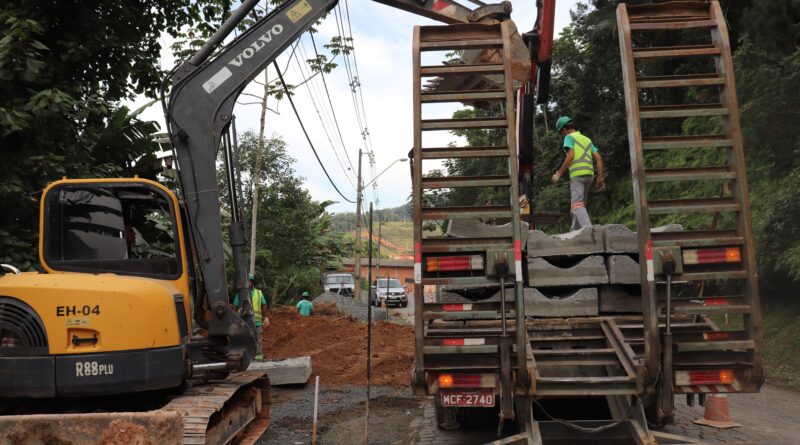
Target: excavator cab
<point x="122" y="228"/>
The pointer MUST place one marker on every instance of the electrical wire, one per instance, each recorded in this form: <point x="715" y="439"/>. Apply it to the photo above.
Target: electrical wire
<point x="311" y="94"/>
<point x="303" y="127"/>
<point x="351" y="67"/>
<point x="328" y="93"/>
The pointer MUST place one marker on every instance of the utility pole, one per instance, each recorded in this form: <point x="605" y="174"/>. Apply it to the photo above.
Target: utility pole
<point x="357" y="268"/>
<point x="378" y="259"/>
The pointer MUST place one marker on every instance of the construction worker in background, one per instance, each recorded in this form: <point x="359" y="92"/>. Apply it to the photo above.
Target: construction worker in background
<point x="259" y="314"/>
<point x="580" y="153"/>
<point x="304" y="306"/>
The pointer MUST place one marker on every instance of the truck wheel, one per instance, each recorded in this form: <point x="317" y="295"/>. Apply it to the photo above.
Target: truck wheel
<point x="446" y="417"/>
<point x="654" y="420"/>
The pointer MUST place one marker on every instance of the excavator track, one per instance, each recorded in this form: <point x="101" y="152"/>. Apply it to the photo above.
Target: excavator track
<point x="234" y="410"/>
<point x="221" y="412"/>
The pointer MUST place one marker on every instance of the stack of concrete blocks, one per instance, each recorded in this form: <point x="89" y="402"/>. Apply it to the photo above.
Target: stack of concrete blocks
<point x="622" y="294"/>
<point x="587" y="272"/>
<point x="563" y="273"/>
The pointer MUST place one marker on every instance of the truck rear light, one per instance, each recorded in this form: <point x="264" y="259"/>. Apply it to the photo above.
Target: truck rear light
<point x="467" y="380"/>
<point x="445" y="380"/>
<point x="464" y="381"/>
<point x="456" y="307"/>
<point x="712" y="256"/>
<point x="454" y="263"/>
<point x="716" y="301"/>
<point x="704" y="377"/>
<point x="464" y="341"/>
<point x="716" y="335"/>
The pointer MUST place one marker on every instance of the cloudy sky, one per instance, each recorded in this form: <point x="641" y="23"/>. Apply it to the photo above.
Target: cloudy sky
<point x="382" y="40"/>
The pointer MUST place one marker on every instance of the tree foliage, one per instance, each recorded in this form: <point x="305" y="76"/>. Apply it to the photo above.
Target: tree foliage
<point x="64" y="68"/>
<point x="295" y="239"/>
<point x="587" y="85"/>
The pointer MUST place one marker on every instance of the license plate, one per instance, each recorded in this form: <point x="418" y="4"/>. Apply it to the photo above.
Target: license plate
<point x="468" y="398"/>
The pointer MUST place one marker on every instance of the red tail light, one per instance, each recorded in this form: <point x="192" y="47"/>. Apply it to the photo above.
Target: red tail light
<point x="456" y="307"/>
<point x="715" y="301"/>
<point x="454" y="263"/>
<point x="712" y="256"/>
<point x="704" y="377"/>
<point x="463" y="341"/>
<point x="445" y="380"/>
<point x="460" y="380"/>
<point x="716" y="336"/>
<point x="467" y="380"/>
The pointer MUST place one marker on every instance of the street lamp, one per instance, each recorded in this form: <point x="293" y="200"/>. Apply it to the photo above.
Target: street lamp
<point x="384" y="171"/>
<point x="359" y="190"/>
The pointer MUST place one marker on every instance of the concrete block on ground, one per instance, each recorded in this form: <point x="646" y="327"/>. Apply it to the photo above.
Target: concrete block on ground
<point x="586" y="241"/>
<point x="473" y="228"/>
<point x="619" y="239"/>
<point x="291" y="371"/>
<point x="589" y="271"/>
<point x="582" y="302"/>
<point x="622" y="269"/>
<point x="619" y="299"/>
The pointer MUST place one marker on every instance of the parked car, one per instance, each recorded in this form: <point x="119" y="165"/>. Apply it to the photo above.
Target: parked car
<point x="340" y="283"/>
<point x="389" y="290"/>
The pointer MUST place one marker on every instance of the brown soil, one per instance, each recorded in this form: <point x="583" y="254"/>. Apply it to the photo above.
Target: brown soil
<point x="337" y="346"/>
<point x="121" y="432"/>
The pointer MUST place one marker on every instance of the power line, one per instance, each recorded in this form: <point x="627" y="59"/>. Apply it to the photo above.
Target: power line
<point x="327" y="92"/>
<point x="303" y="127"/>
<point x="359" y="90"/>
<point x="320" y="116"/>
<point x="356" y="90"/>
<point x="326" y="112"/>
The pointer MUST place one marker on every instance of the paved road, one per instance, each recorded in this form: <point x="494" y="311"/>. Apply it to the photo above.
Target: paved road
<point x="404" y="314"/>
<point x="771" y="417"/>
<point x="396" y="417"/>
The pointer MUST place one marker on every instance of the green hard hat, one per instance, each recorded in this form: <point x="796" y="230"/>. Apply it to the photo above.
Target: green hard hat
<point x="306" y="294"/>
<point x="251" y="277"/>
<point x="563" y="120"/>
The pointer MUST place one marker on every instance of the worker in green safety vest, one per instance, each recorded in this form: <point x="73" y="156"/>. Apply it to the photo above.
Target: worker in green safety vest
<point x="259" y="314"/>
<point x="581" y="153"/>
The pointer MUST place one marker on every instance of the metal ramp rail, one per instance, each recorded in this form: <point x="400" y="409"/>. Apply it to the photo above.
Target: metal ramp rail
<point x="582" y="357"/>
<point x="451" y="337"/>
<point x="670" y="52"/>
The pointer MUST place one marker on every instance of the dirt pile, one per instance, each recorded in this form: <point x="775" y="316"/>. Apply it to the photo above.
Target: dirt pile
<point x="338" y="345"/>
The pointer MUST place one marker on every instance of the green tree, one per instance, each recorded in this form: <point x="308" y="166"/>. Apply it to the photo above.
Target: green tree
<point x="296" y="242"/>
<point x="64" y="68"/>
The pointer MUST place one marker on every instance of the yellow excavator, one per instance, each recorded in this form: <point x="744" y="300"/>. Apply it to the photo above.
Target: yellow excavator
<point x="132" y="297"/>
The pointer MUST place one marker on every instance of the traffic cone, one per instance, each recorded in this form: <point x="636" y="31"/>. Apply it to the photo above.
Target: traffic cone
<point x="718" y="414"/>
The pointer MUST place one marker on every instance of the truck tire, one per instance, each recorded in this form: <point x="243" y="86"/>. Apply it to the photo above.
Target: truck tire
<point x="654" y="420"/>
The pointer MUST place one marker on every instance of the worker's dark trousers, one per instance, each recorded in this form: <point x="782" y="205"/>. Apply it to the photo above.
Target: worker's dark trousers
<point x="579" y="197"/>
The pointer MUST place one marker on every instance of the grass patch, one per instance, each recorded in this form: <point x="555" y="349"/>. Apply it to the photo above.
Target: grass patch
<point x="781" y="320"/>
<point x="781" y="323"/>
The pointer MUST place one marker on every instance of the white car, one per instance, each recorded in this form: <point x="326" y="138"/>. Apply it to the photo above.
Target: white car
<point x="390" y="291"/>
<point x="340" y="283"/>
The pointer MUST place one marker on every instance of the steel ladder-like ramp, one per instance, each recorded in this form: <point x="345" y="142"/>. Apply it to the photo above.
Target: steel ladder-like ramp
<point x="681" y="108"/>
<point x="480" y="336"/>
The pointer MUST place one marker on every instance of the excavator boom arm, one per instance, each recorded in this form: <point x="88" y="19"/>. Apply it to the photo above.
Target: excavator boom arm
<point x="204" y="92"/>
<point x="200" y="109"/>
